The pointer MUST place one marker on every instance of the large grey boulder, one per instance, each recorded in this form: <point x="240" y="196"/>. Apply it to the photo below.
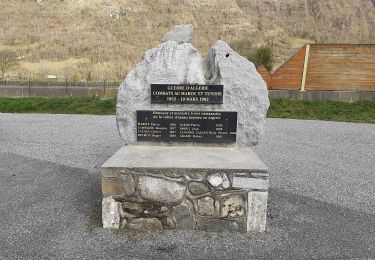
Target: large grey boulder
<point x="244" y="90"/>
<point x="177" y="61"/>
<point x="171" y="62"/>
<point x="180" y="33"/>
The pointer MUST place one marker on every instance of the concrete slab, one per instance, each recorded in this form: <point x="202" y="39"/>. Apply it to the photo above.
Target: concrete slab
<point x="231" y="159"/>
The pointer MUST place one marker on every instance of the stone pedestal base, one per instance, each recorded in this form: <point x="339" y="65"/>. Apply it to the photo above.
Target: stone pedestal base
<point x="205" y="188"/>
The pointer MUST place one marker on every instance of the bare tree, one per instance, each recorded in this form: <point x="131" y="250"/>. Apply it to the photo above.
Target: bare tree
<point x="8" y="59"/>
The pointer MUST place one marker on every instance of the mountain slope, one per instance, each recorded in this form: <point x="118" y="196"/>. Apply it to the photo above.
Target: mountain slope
<point x="104" y="38"/>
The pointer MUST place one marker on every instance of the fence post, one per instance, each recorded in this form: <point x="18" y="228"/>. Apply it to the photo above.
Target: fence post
<point x="104" y="89"/>
<point x="29" y="87"/>
<point x="306" y="61"/>
<point x="66" y="87"/>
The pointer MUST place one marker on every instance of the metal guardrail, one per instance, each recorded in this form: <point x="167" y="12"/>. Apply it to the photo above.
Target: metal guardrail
<point x="65" y="83"/>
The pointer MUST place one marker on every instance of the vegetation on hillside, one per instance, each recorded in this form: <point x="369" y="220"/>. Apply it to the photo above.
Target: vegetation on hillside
<point x="261" y="56"/>
<point x="8" y="59"/>
<point x="97" y="40"/>
<point x="362" y="111"/>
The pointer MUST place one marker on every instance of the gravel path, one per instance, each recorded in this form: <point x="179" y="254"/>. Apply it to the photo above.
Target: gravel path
<point x="322" y="197"/>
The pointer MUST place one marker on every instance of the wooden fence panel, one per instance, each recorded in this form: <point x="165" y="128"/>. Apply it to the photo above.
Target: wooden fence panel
<point x="265" y="74"/>
<point x="344" y="67"/>
<point x="289" y="75"/>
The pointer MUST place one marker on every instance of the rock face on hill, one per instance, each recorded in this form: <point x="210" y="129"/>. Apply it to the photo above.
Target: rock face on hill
<point x="177" y="61"/>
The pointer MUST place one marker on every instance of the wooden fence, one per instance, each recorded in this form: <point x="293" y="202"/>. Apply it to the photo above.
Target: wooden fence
<point x="341" y="67"/>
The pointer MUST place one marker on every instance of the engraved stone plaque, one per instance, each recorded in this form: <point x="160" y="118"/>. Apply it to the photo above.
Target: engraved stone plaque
<point x="186" y="94"/>
<point x="187" y="126"/>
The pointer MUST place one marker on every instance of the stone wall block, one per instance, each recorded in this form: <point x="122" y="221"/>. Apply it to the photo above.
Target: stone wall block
<point x="145" y="224"/>
<point x="123" y="223"/>
<point x="161" y="190"/>
<point x="217" y="207"/>
<point x="163" y="209"/>
<point x="225" y="184"/>
<point x="198" y="176"/>
<point x="184" y="215"/>
<point x="260" y="175"/>
<point x="169" y="223"/>
<point x="257" y="211"/>
<point x="198" y="188"/>
<point x="129" y="184"/>
<point x="132" y="207"/>
<point x="206" y="206"/>
<point x="215" y="179"/>
<point x="112" y="186"/>
<point x="111" y="213"/>
<point x="232" y="207"/>
<point x="173" y="174"/>
<point x="110" y="173"/>
<point x="250" y="183"/>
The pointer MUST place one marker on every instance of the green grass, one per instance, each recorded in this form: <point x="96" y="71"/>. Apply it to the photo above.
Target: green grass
<point x="91" y="106"/>
<point x="362" y="111"/>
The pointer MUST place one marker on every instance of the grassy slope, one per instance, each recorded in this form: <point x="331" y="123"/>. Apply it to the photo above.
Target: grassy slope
<point x="363" y="111"/>
<point x="79" y="39"/>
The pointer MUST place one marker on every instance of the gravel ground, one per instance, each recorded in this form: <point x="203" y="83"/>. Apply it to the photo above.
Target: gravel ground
<point x="321" y="204"/>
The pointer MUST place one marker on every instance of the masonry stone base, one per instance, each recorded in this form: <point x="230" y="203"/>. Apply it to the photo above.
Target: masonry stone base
<point x="210" y="188"/>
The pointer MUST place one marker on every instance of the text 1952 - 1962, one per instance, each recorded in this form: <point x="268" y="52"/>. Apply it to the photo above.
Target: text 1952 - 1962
<point x="186" y="94"/>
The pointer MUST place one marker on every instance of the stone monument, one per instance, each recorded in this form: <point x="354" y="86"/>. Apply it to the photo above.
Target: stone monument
<point x="188" y="125"/>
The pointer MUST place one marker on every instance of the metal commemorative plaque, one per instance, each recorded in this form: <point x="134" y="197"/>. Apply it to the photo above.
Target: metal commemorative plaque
<point x="186" y="126"/>
<point x="186" y="94"/>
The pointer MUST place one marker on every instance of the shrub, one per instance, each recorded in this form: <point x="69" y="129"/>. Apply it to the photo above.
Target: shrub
<point x="8" y="59"/>
<point x="88" y="76"/>
<point x="261" y="56"/>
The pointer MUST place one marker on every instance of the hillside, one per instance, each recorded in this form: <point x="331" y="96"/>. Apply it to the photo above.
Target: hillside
<point x="98" y="39"/>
